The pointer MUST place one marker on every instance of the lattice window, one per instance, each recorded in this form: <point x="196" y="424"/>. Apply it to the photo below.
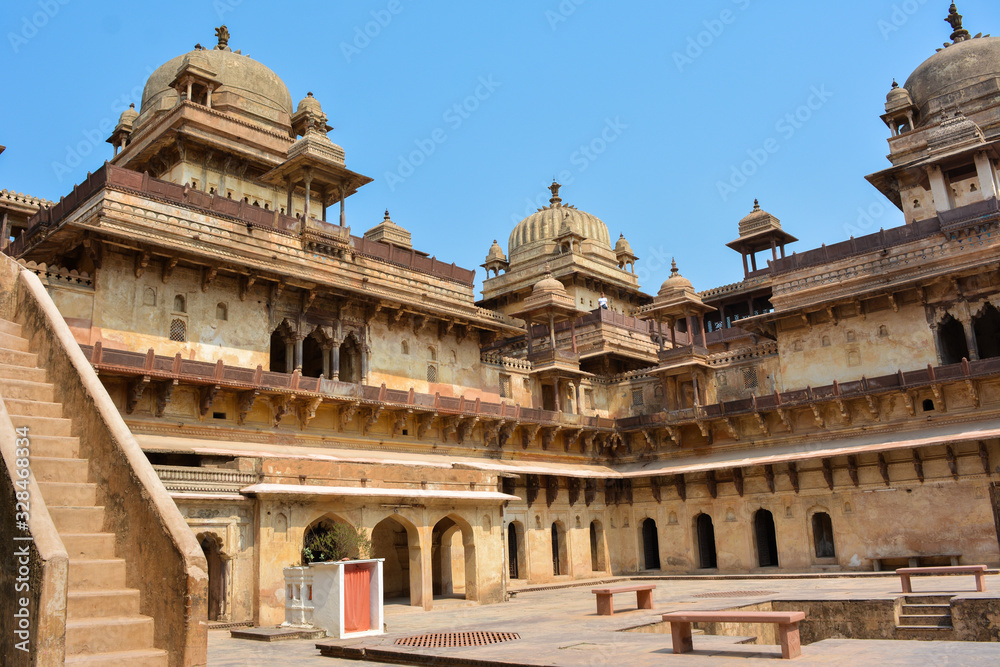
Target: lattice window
<point x="432" y="373"/>
<point x="750" y="378"/>
<point x="178" y="331"/>
<point x="505" y="386"/>
<point x="637" y="399"/>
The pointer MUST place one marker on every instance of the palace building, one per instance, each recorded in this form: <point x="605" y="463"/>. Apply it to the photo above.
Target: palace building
<point x="284" y="365"/>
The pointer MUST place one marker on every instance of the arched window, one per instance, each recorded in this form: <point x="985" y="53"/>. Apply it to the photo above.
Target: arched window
<point x="597" y="559"/>
<point x="951" y="335"/>
<point x="178" y="331"/>
<point x="432" y="373"/>
<point x="149" y="297"/>
<point x="987" y="330"/>
<point x="650" y="545"/>
<point x="180" y="304"/>
<point x="432" y="354"/>
<point x="560" y="558"/>
<point x="221" y="312"/>
<point x="822" y="529"/>
<point x="767" y="541"/>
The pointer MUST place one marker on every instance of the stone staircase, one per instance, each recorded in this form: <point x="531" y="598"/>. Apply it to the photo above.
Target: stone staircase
<point x="925" y="617"/>
<point x="103" y="625"/>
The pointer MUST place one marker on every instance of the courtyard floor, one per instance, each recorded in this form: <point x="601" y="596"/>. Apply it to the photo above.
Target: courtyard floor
<point x="559" y="626"/>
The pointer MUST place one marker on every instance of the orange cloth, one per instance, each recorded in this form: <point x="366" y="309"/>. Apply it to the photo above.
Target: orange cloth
<point x="356" y="598"/>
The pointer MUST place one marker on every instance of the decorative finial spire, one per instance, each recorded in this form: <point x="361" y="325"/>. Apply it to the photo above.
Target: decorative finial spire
<point x="894" y="84"/>
<point x="386" y="219"/>
<point x="756" y="205"/>
<point x="548" y="269"/>
<point x="554" y="189"/>
<point x="955" y="19"/>
<point x="222" y="32"/>
<point x="673" y="268"/>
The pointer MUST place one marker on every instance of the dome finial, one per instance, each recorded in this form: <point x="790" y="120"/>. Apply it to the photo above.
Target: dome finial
<point x="960" y="34"/>
<point x="756" y="205"/>
<point x="386" y="214"/>
<point x="673" y="267"/>
<point x="894" y="84"/>
<point x="554" y="189"/>
<point x="222" y="32"/>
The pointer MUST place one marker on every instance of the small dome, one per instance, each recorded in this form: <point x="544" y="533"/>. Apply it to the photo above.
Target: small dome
<point x="310" y="103"/>
<point x="898" y="97"/>
<point x="495" y="253"/>
<point x="547" y="223"/>
<point x="128" y="116"/>
<point x="675" y="283"/>
<point x="756" y="214"/>
<point x="622" y="246"/>
<point x="548" y="284"/>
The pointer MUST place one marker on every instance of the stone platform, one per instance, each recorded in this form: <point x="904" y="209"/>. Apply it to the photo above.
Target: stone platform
<point x="560" y="626"/>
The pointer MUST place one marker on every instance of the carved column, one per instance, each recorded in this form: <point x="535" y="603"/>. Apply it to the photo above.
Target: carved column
<point x="308" y="181"/>
<point x="985" y="171"/>
<point x="365" y="351"/>
<point x="942" y="198"/>
<point x="289" y="353"/>
<point x="335" y="362"/>
<point x="298" y="351"/>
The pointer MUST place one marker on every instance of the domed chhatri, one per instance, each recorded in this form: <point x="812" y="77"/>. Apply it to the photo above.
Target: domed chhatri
<point x="622" y="245"/>
<point x="548" y="285"/>
<point x="676" y="283"/>
<point x="238" y="83"/>
<point x="547" y="223"/>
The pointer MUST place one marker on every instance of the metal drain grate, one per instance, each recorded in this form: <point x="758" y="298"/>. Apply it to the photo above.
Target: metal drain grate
<point x="733" y="594"/>
<point x="456" y="639"/>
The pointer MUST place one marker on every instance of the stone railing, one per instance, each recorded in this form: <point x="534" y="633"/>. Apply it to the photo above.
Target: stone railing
<point x="59" y="276"/>
<point x="513" y="363"/>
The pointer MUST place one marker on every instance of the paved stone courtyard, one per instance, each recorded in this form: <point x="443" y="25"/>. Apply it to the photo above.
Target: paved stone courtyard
<point x="559" y="626"/>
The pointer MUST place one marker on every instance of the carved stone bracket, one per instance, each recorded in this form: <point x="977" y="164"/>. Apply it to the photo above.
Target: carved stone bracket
<point x="347" y="414"/>
<point x="769" y="477"/>
<point x="307" y="411"/>
<point x="570" y="438"/>
<point x="712" y="483"/>
<point x="136" y="387"/>
<point x="852" y="469"/>
<point x="528" y="433"/>
<point x="793" y="476"/>
<point x="164" y="392"/>
<point x="206" y="397"/>
<point x="244" y="403"/>
<point x="168" y="269"/>
<point x="399" y="419"/>
<point x="141" y="262"/>
<point x="208" y="274"/>
<point x="424" y="423"/>
<point x="918" y="466"/>
<point x="506" y="431"/>
<point x="548" y="436"/>
<point x="245" y="283"/>
<point x="371" y="417"/>
<point x="883" y="469"/>
<point x="828" y="473"/>
<point x="674" y="434"/>
<point x="738" y="480"/>
<point x="280" y="406"/>
<point x="465" y="427"/>
<point x="680" y="484"/>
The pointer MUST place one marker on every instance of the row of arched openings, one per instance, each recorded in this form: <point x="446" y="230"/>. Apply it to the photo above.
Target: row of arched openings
<point x="316" y="361"/>
<point x="954" y="344"/>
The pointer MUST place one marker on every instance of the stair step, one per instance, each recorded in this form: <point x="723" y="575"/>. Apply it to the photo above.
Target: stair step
<point x="28" y="390"/>
<point x="927" y="599"/>
<point x="18" y="358"/>
<point x="29" y="408"/>
<point x="68" y="494"/>
<point x="8" y="327"/>
<point x="47" y="469"/>
<point x="55" y="446"/>
<point x="43" y="425"/>
<point x="11" y="342"/>
<point x="77" y="519"/>
<point x="106" y="634"/>
<point x="89" y="546"/>
<point x="91" y="604"/>
<point x="152" y="657"/>
<point x="925" y="621"/>
<point x="12" y="372"/>
<point x="106" y="573"/>
<point x="928" y="609"/>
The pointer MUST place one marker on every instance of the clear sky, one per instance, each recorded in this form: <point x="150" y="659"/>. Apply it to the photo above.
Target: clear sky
<point x="655" y="115"/>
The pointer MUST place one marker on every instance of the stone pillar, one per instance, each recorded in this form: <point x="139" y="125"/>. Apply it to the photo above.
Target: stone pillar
<point x="364" y="364"/>
<point x="298" y="352"/>
<point x="753" y="260"/>
<point x="190" y="85"/>
<point x="343" y="199"/>
<point x="552" y="331"/>
<point x="572" y="329"/>
<point x="308" y="181"/>
<point x="942" y="199"/>
<point x="208" y="99"/>
<point x="579" y="406"/>
<point x="527" y="328"/>
<point x="327" y="348"/>
<point x="421" y="569"/>
<point x="322" y="202"/>
<point x="746" y="268"/>
<point x="985" y="171"/>
<point x="673" y="332"/>
<point x="659" y="333"/>
<point x="970" y="337"/>
<point x="774" y="251"/>
<point x="289" y="355"/>
<point x="291" y="188"/>
<point x="701" y="328"/>
<point x="335" y="363"/>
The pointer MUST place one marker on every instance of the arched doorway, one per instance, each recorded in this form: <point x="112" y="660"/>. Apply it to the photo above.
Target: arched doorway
<point x="951" y="336"/>
<point x="705" y="538"/>
<point x="822" y="528"/>
<point x="650" y="545"/>
<point x="453" y="559"/>
<point x="312" y="357"/>
<point x="350" y="361"/>
<point x="281" y="358"/>
<point x="515" y="551"/>
<point x="767" y="541"/>
<point x="987" y="330"/>
<point x="396" y="542"/>
<point x="211" y="545"/>
<point x="598" y="561"/>
<point x="560" y="557"/>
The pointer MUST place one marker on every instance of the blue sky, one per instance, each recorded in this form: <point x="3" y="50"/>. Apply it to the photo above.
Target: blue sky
<point x="463" y="112"/>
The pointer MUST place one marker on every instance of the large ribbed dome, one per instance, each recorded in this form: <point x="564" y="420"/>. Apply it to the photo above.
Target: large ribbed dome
<point x="547" y="223"/>
<point x="253" y="89"/>
<point x="950" y="70"/>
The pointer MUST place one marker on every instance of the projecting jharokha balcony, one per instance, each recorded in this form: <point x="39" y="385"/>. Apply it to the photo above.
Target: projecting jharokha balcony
<point x="547" y="358"/>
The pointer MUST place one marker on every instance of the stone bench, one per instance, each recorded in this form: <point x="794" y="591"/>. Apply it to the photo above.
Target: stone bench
<point x="787" y="621"/>
<point x="979" y="570"/>
<point x="913" y="561"/>
<point x="605" y="602"/>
